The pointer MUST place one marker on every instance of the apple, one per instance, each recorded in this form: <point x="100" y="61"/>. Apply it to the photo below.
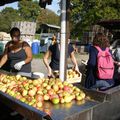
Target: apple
<point x="18" y="97"/>
<point x="46" y="97"/>
<point x="55" y="88"/>
<point x="30" y="81"/>
<point x="34" y="105"/>
<point x="12" y="93"/>
<point x="24" y="92"/>
<point x="35" y="82"/>
<point x="44" y="84"/>
<point x="24" y="78"/>
<point x="68" y="99"/>
<point x="73" y="96"/>
<point x="39" y="98"/>
<point x="48" y="87"/>
<point x="65" y="83"/>
<point x="65" y="93"/>
<point x="35" y="89"/>
<point x="4" y="89"/>
<point x="31" y="93"/>
<point x="26" y="87"/>
<point x="23" y="99"/>
<point x="62" y="100"/>
<point x="61" y="86"/>
<point x="18" y="77"/>
<point x="15" y="89"/>
<point x="32" y="102"/>
<point x="40" y="92"/>
<point x="44" y="91"/>
<point x="55" y="100"/>
<point x="77" y="93"/>
<point x="66" y="88"/>
<point x="82" y="95"/>
<point x="77" y="89"/>
<point x="31" y="86"/>
<point x="5" y="81"/>
<point x="29" y="99"/>
<point x="51" y="92"/>
<point x="79" y="97"/>
<point x="54" y="96"/>
<point x="24" y="83"/>
<point x="60" y="95"/>
<point x="39" y="104"/>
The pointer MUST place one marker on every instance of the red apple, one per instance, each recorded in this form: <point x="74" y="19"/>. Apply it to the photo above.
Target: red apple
<point x="39" y="98"/>
<point x="51" y="92"/>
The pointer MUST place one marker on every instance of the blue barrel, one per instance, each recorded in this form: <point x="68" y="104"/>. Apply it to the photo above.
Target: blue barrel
<point x="35" y="48"/>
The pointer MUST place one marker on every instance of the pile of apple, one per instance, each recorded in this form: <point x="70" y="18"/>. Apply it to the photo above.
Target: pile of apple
<point x="35" y="92"/>
<point x="71" y="73"/>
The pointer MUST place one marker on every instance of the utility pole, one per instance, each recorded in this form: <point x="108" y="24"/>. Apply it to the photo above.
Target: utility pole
<point x="64" y="38"/>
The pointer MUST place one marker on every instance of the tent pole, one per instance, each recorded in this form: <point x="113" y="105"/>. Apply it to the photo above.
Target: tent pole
<point x="63" y="41"/>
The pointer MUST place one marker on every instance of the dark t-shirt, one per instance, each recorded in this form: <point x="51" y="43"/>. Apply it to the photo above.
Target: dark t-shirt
<point x="55" y="58"/>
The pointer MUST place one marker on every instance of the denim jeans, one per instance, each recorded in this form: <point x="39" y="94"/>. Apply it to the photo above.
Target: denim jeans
<point x="101" y="84"/>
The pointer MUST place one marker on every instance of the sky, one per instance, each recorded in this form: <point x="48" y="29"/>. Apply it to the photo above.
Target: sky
<point x="54" y="7"/>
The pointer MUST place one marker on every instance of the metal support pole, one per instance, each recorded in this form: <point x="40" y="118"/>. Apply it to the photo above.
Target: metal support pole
<point x="63" y="42"/>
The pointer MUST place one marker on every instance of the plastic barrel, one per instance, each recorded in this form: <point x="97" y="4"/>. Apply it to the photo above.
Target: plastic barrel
<point x="35" y="48"/>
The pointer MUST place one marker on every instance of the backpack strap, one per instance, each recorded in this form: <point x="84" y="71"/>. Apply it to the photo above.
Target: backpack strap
<point x="98" y="48"/>
<point x="107" y="49"/>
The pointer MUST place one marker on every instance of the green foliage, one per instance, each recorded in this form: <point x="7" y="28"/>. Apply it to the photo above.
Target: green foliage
<point x="87" y="12"/>
<point x="48" y="16"/>
<point x="7" y="16"/>
<point x="29" y="10"/>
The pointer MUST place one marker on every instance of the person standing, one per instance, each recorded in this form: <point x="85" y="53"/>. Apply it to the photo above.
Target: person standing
<point x="17" y="54"/>
<point x="54" y="53"/>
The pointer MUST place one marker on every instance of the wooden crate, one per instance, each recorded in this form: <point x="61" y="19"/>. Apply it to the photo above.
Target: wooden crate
<point x="70" y="80"/>
<point x="75" y="80"/>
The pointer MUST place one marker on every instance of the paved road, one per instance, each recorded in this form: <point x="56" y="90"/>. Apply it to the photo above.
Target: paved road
<point x="38" y="65"/>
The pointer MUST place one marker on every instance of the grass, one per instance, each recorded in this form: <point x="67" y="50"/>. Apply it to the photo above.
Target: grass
<point x="40" y="55"/>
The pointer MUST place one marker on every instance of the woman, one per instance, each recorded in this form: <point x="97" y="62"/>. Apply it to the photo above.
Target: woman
<point x="18" y="54"/>
<point x="54" y="53"/>
<point x="92" y="80"/>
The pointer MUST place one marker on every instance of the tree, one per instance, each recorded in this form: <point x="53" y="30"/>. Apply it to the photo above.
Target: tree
<point x="7" y="16"/>
<point x="29" y="10"/>
<point x="87" y="12"/>
<point x="47" y="16"/>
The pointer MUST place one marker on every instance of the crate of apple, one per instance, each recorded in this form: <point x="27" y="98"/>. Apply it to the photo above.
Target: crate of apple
<point x="35" y="92"/>
<point x="71" y="77"/>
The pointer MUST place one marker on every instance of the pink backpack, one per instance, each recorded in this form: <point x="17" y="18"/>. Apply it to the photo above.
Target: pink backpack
<point x="105" y="64"/>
